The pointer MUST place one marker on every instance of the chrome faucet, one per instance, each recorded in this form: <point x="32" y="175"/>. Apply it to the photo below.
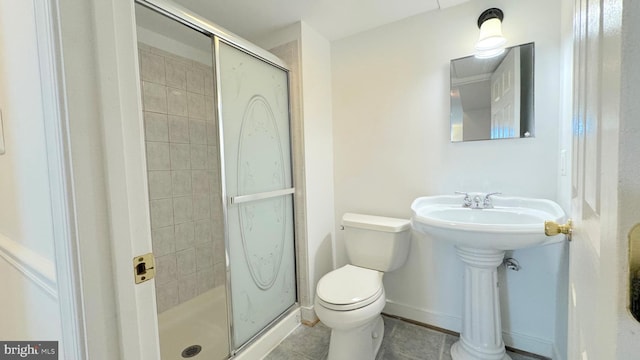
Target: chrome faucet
<point x="466" y="202"/>
<point x="487" y="204"/>
<point x="477" y="202"/>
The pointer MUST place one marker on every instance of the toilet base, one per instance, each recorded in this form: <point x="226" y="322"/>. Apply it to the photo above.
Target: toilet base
<point x="362" y="343"/>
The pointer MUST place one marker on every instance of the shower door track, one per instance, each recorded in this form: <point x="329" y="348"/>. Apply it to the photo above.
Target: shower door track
<point x="196" y="22"/>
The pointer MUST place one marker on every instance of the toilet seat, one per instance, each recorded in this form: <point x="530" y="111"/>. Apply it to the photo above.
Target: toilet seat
<point x="349" y="287"/>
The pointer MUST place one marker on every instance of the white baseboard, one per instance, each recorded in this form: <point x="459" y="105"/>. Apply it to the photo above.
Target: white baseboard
<point x="528" y="343"/>
<point x="35" y="267"/>
<point x="308" y="315"/>
<point x="445" y="321"/>
<point x="512" y="339"/>
<point x="557" y="355"/>
<point x="272" y="338"/>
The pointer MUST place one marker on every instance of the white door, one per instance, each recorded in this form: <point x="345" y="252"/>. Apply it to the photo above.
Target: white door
<point x="598" y="253"/>
<point x="586" y="283"/>
<point x="505" y="97"/>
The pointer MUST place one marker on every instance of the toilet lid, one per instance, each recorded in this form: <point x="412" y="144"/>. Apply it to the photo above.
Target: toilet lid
<point x="350" y="285"/>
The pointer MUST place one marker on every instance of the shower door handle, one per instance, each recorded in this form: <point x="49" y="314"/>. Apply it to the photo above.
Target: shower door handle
<point x="259" y="196"/>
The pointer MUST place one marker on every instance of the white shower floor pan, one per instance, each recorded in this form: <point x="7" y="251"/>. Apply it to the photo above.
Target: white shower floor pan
<point x="200" y="321"/>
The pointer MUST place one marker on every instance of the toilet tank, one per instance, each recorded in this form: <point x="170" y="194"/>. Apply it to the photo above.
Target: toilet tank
<point x="376" y="242"/>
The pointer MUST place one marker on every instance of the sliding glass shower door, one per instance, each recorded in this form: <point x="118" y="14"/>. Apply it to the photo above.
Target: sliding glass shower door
<point x="254" y="125"/>
<point x="218" y="154"/>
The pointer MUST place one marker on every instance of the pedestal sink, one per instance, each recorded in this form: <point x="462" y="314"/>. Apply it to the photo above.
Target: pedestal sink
<point x="481" y="237"/>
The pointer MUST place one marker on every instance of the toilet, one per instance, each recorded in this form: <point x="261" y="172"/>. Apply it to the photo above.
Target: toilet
<point x="349" y="300"/>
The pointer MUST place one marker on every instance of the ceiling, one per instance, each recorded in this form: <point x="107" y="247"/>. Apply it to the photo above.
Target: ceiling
<point x="334" y="19"/>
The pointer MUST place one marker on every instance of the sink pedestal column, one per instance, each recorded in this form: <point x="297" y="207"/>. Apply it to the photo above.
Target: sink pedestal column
<point x="481" y="334"/>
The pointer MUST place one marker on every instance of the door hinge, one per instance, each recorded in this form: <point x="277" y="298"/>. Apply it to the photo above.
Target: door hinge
<point x="144" y="268"/>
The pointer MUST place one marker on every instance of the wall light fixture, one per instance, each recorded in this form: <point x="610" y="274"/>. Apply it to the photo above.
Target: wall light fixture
<point x="491" y="42"/>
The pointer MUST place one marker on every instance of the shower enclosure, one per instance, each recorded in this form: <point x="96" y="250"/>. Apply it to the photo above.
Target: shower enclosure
<point x="217" y="135"/>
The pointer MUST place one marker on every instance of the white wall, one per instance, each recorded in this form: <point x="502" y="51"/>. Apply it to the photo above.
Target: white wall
<point x="25" y="214"/>
<point x="28" y="311"/>
<point x="391" y="145"/>
<point x="29" y="304"/>
<point x="318" y="144"/>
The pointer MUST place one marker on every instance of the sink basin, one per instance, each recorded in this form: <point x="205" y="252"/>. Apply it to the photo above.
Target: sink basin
<point x="513" y="222"/>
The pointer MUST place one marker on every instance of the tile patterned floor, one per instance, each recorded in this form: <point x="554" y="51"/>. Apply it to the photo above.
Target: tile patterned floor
<point x="402" y="341"/>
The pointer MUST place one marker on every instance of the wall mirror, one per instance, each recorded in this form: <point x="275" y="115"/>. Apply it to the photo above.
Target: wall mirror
<point x="493" y="98"/>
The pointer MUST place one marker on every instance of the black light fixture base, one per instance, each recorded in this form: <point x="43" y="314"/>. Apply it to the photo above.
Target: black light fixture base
<point x="493" y="13"/>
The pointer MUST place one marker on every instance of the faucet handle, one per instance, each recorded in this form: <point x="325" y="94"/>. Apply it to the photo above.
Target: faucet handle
<point x="467" y="198"/>
<point x="487" y="200"/>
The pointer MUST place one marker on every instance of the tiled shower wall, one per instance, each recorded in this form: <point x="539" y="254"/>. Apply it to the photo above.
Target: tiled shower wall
<point x="182" y="163"/>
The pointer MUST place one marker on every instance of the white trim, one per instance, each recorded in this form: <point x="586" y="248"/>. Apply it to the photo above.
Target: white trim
<point x="67" y="267"/>
<point x="445" y="321"/>
<point x="37" y="268"/>
<point x="126" y="175"/>
<point x="515" y="340"/>
<point x="528" y="343"/>
<point x="272" y="338"/>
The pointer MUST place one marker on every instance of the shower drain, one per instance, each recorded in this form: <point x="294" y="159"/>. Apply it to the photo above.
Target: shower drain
<point x="191" y="351"/>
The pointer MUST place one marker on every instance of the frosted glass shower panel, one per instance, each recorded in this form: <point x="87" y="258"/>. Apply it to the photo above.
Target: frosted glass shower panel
<point x="257" y="164"/>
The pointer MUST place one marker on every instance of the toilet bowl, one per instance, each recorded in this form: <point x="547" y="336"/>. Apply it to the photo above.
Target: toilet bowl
<point x="349" y="300"/>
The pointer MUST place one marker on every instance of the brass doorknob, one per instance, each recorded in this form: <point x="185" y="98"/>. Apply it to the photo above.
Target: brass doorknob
<point x="552" y="228"/>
